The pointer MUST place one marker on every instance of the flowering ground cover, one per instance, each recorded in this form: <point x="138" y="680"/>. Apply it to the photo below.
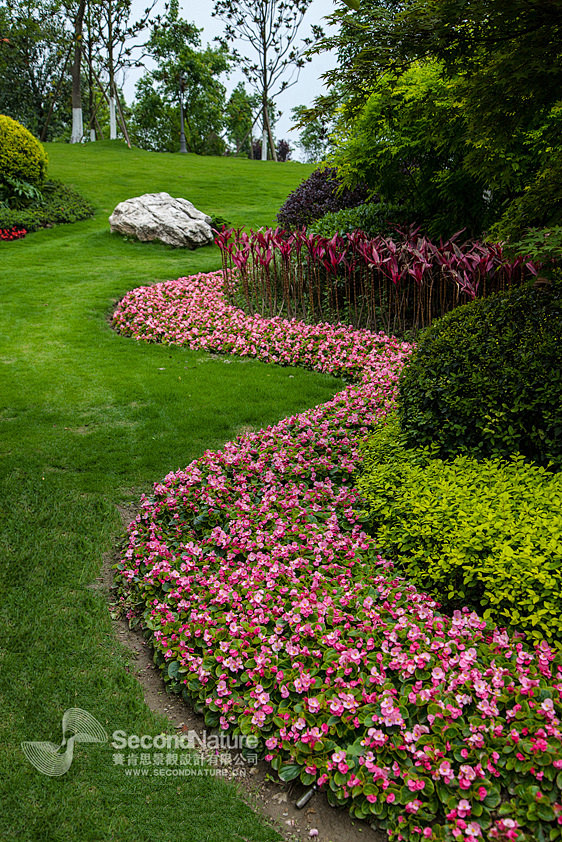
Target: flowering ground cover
<point x="12" y="233"/>
<point x="270" y="609"/>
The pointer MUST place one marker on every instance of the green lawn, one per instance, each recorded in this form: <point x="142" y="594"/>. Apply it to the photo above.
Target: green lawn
<point x="88" y="420"/>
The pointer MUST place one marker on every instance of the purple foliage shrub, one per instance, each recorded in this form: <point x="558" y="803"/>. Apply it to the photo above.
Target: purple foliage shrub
<point x="321" y="193"/>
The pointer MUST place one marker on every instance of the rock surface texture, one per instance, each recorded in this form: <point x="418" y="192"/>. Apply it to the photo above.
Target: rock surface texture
<point x="157" y="216"/>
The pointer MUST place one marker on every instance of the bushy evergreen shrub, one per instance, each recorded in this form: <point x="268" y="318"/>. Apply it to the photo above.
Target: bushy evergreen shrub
<point x="22" y="157"/>
<point x="372" y="217"/>
<point x="317" y="195"/>
<point x="487" y="378"/>
<point x="486" y="534"/>
<point x="59" y="204"/>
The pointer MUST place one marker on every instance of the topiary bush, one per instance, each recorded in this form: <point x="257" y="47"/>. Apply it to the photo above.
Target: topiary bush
<point x="22" y="157"/>
<point x="487" y="378"/>
<point x="317" y="195"/>
<point x="484" y="534"/>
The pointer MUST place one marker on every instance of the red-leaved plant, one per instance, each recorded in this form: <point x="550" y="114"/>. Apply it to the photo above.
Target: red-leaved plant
<point x="376" y="283"/>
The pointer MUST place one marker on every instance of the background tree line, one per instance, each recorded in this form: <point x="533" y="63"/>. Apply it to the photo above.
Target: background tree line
<point x="61" y="61"/>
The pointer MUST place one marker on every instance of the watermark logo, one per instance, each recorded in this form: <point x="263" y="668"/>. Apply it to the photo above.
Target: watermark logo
<point x="185" y="754"/>
<point x="78" y="726"/>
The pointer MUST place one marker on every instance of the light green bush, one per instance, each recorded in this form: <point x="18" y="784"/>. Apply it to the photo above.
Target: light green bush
<point x="486" y="534"/>
<point x="373" y="218"/>
<point x="22" y="157"/>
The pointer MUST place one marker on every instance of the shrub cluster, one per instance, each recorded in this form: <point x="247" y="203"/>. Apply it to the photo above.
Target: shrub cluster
<point x="485" y="534"/>
<point x="22" y="157"/>
<point x="374" y="218"/>
<point x="59" y="204"/>
<point x="320" y="193"/>
<point x="487" y="378"/>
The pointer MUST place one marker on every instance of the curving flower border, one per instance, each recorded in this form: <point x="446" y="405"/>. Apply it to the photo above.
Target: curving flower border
<point x="270" y="609"/>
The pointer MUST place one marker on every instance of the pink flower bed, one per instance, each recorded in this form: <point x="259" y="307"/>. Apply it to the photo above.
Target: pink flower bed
<point x="270" y="609"/>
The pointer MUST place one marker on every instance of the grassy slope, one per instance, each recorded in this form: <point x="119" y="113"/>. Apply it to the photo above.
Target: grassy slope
<point x="89" y="419"/>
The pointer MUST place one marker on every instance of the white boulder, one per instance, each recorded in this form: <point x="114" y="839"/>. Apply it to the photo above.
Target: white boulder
<point x="157" y="216"/>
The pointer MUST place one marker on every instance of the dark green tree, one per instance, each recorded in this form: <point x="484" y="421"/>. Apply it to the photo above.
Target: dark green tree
<point x="240" y="119"/>
<point x="35" y="65"/>
<point x="314" y="139"/>
<point x="174" y="45"/>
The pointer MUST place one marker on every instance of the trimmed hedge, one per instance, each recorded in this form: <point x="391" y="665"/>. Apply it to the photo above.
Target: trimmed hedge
<point x="60" y="204"/>
<point x="486" y="379"/>
<point x="484" y="534"/>
<point x="21" y="156"/>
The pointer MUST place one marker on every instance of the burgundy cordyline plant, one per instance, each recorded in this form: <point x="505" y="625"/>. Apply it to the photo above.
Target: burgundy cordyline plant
<point x="270" y="610"/>
<point x="393" y="284"/>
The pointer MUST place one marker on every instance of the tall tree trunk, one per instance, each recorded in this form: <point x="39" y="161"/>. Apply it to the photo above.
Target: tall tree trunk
<point x="122" y="119"/>
<point x="111" y="69"/>
<point x="77" y="125"/>
<point x="90" y="76"/>
<point x="264" y="132"/>
<point x="270" y="136"/>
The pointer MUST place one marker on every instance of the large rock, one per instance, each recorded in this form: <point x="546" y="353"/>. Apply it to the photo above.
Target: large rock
<point x="157" y="216"/>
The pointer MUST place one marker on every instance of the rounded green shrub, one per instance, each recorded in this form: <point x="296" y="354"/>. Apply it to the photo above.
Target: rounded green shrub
<point x="487" y="379"/>
<point x="22" y="157"/>
<point x="373" y="218"/>
<point x="485" y="534"/>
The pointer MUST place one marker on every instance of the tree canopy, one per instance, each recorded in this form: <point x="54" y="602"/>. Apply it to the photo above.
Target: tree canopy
<point x="175" y="46"/>
<point x="272" y="56"/>
<point x="488" y="127"/>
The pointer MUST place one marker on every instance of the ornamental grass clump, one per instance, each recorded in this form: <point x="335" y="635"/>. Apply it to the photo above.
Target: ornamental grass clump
<point x="270" y="609"/>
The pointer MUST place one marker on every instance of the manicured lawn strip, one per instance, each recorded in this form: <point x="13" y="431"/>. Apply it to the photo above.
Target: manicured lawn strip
<point x="242" y="191"/>
<point x="269" y="606"/>
<point x="88" y="419"/>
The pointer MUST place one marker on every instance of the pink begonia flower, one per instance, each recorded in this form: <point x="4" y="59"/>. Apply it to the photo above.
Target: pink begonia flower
<point x="463" y="808"/>
<point x="413" y="806"/>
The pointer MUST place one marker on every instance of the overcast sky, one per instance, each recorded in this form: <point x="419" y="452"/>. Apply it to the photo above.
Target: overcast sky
<point x="302" y="93"/>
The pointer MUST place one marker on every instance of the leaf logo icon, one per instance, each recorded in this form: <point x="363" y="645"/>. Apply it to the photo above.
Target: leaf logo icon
<point x="78" y="726"/>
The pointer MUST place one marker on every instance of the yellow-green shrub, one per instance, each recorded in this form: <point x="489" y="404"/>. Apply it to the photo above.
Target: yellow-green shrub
<point x="21" y="155"/>
<point x="484" y="534"/>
